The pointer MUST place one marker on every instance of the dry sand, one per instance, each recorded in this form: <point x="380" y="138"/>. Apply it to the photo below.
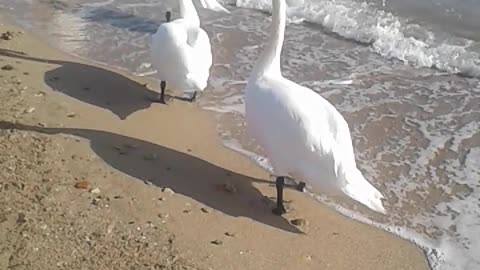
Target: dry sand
<point x="64" y="121"/>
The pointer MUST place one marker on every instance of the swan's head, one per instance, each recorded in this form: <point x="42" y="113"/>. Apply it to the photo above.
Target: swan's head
<point x="213" y="5"/>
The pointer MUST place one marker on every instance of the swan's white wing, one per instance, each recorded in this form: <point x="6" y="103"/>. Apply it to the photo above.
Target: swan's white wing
<point x="182" y="55"/>
<point x="166" y="45"/>
<point x="202" y="47"/>
<point x="327" y="136"/>
<point x="301" y="132"/>
<point x="326" y="129"/>
<point x="323" y="125"/>
<point x="199" y="58"/>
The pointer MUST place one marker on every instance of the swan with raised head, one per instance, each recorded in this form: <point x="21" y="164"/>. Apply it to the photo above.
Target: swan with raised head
<point x="303" y="135"/>
<point x="180" y="51"/>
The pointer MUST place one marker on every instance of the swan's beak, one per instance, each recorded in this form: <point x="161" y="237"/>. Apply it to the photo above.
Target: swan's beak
<point x="213" y="5"/>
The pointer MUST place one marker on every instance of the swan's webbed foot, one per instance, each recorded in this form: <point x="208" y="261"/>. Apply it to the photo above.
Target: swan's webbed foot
<point x="159" y="99"/>
<point x="280" y="209"/>
<point x="301" y="186"/>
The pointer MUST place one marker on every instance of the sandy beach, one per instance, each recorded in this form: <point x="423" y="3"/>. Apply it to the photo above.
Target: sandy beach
<point x="93" y="176"/>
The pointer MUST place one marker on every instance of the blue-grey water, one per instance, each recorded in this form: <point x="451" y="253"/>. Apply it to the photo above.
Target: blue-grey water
<point x="404" y="73"/>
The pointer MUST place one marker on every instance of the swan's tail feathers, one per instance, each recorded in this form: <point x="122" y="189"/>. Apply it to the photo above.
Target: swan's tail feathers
<point x="359" y="189"/>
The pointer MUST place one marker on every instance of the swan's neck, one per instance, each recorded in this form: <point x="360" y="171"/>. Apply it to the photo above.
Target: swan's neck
<point x="269" y="61"/>
<point x="188" y="12"/>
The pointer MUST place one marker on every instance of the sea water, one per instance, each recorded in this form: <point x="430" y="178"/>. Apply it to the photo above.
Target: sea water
<point x="404" y="73"/>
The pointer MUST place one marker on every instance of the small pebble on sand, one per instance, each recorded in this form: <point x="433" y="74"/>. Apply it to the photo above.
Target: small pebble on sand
<point x="229" y="234"/>
<point x="8" y="35"/>
<point x="96" y="201"/>
<point x="148" y="182"/>
<point x="169" y="191"/>
<point x="110" y="228"/>
<point x="30" y="110"/>
<point x="217" y="242"/>
<point x="95" y="190"/>
<point x="7" y="67"/>
<point x="163" y="215"/>
<point x="83" y="185"/>
<point x="298" y="222"/>
<point x="205" y="210"/>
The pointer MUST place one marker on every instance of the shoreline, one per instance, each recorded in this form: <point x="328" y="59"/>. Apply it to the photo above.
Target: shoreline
<point x="132" y="140"/>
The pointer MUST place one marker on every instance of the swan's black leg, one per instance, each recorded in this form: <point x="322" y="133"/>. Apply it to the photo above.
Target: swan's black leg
<point x="194" y="97"/>
<point x="163" y="85"/>
<point x="280" y="209"/>
<point x="161" y="97"/>
<point x="301" y="186"/>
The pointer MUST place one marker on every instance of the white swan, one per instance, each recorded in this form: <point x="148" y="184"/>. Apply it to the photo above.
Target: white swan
<point x="303" y="135"/>
<point x="181" y="52"/>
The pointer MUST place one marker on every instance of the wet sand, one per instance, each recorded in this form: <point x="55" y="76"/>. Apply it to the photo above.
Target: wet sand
<point x="163" y="191"/>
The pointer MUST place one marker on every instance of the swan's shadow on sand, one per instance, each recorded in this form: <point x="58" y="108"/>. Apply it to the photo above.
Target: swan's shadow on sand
<point x="93" y="85"/>
<point x="96" y="86"/>
<point x="181" y="172"/>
